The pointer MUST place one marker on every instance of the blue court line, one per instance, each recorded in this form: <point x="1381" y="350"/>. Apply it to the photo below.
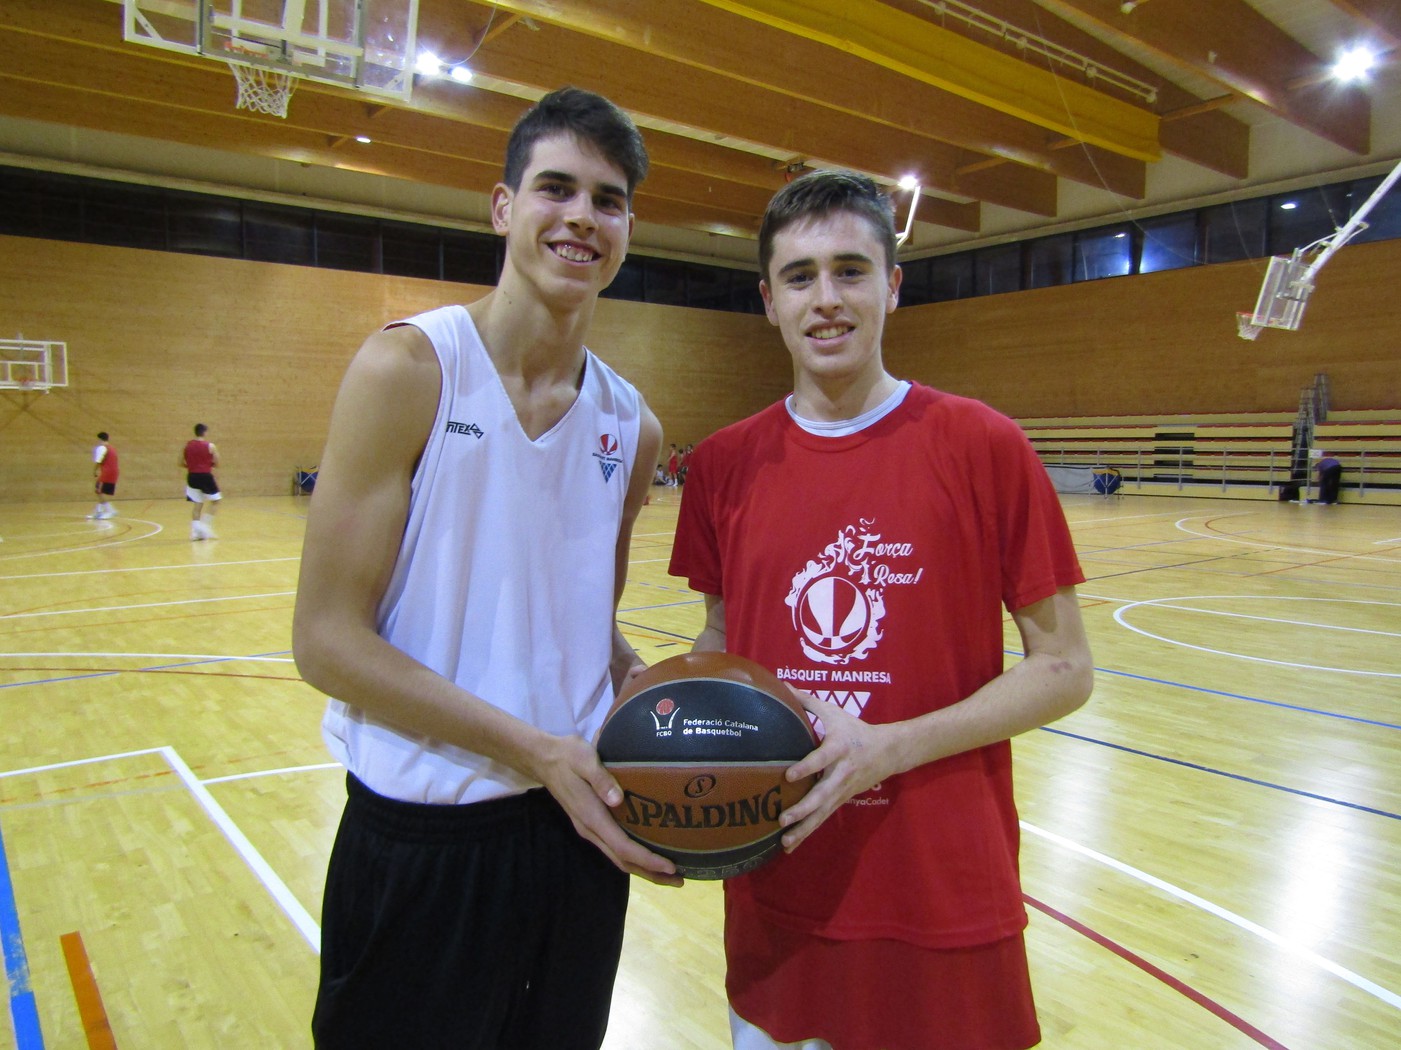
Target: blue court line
<point x="1236" y="696"/>
<point x="1223" y="773"/>
<point x="157" y="667"/>
<point x="1253" y="699"/>
<point x="24" y="1013"/>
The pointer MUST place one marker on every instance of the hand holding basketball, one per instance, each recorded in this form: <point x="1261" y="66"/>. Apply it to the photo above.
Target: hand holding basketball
<point x="570" y="770"/>
<point x="854" y="757"/>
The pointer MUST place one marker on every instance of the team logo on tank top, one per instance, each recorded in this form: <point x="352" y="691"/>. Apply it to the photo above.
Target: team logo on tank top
<point x="838" y="599"/>
<point x="608" y="460"/>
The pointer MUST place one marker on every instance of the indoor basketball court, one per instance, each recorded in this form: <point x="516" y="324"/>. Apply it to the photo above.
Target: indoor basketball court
<point x="210" y="203"/>
<point x="1210" y="845"/>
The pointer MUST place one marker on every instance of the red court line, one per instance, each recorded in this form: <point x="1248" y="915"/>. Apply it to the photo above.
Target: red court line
<point x="90" y="1008"/>
<point x="1202" y="1000"/>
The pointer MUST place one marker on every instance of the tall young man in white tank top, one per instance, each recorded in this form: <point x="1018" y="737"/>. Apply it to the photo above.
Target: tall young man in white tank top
<point x="465" y="551"/>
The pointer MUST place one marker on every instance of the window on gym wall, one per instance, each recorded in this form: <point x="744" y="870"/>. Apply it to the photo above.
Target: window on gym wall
<point x="997" y="269"/>
<point x="1169" y="242"/>
<point x="204" y="225"/>
<point x="951" y="277"/>
<point x="347" y="243"/>
<point x="124" y="216"/>
<point x="275" y="234"/>
<point x="914" y="282"/>
<point x="1298" y="219"/>
<point x="1105" y="252"/>
<point x="1235" y="231"/>
<point x="1050" y="261"/>
<point x="410" y="250"/>
<point x="1384" y="220"/>
<point x="470" y="258"/>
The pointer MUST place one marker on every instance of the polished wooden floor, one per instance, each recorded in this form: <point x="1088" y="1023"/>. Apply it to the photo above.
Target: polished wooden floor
<point x="1212" y="849"/>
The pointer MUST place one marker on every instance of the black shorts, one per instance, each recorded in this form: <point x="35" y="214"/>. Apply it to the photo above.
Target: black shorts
<point x="489" y="926"/>
<point x="106" y="488"/>
<point x="202" y="483"/>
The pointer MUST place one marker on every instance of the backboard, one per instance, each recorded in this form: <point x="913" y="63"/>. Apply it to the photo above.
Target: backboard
<point x="367" y="45"/>
<point x="32" y="364"/>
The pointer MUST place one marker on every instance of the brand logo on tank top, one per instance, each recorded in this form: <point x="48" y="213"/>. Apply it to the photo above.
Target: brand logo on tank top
<point x="453" y="427"/>
<point x="608" y="461"/>
<point x="838" y="600"/>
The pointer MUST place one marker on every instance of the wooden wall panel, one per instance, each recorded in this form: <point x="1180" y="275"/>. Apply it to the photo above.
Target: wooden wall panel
<point x="158" y="342"/>
<point x="698" y="369"/>
<point x="1162" y="343"/>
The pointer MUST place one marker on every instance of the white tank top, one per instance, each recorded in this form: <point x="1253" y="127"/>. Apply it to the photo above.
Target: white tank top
<point x="504" y="580"/>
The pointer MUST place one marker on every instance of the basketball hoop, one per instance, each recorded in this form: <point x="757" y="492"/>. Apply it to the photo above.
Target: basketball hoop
<point x="263" y="90"/>
<point x="1245" y="326"/>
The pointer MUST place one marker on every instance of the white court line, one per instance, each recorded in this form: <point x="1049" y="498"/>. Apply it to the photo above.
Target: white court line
<point x="1165" y="603"/>
<point x="1378" y="543"/>
<point x="1341" y="555"/>
<point x="144" y="605"/>
<point x="285" y="898"/>
<point x="271" y="881"/>
<point x="1356" y="980"/>
<point x="1120" y="613"/>
<point x="156" y="530"/>
<point x="274" y="772"/>
<point x="1114" y="521"/>
<point x="143" y="568"/>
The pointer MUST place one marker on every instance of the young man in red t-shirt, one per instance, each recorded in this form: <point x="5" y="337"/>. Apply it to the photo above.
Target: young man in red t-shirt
<point x="862" y="538"/>
<point x="199" y="459"/>
<point x="105" y="472"/>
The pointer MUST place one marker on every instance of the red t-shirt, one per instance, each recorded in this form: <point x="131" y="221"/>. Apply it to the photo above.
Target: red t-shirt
<point x="873" y="570"/>
<point x="107" y="468"/>
<point x="199" y="456"/>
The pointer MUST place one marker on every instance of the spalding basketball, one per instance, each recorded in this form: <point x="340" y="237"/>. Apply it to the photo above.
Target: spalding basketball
<point x="700" y="744"/>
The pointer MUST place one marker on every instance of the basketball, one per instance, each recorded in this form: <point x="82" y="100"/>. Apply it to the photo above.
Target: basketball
<point x="699" y="744"/>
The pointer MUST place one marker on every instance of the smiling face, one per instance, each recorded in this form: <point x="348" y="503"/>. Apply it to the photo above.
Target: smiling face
<point x="829" y="290"/>
<point x="567" y="226"/>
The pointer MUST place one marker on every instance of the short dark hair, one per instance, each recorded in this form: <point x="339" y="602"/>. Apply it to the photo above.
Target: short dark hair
<point x="588" y="117"/>
<point x="820" y="193"/>
<point x="200" y="428"/>
<point x="102" y="435"/>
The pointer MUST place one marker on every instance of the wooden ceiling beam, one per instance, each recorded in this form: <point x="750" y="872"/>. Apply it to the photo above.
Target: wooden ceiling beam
<point x="700" y="37"/>
<point x="1220" y="142"/>
<point x="1231" y="43"/>
<point x="649" y="86"/>
<point x="1382" y="17"/>
<point x="924" y="52"/>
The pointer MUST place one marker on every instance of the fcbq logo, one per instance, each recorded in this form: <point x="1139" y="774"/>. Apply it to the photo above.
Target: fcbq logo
<point x="663" y="715"/>
<point x="607" y="455"/>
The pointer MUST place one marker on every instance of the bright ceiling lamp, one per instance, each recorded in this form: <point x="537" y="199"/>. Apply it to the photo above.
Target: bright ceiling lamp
<point x="1354" y="64"/>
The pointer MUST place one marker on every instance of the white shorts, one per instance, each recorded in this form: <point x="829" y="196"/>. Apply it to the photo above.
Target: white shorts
<point x="746" y="1036"/>
<point x="196" y="496"/>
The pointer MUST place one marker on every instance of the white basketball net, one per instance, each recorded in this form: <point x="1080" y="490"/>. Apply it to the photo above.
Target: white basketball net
<point x="263" y="90"/>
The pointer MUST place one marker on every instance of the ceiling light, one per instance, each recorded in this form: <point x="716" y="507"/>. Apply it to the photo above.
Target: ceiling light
<point x="428" y="64"/>
<point x="363" y="138"/>
<point x="461" y="74"/>
<point x="1289" y="205"/>
<point x="1354" y="64"/>
<point x="908" y="182"/>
